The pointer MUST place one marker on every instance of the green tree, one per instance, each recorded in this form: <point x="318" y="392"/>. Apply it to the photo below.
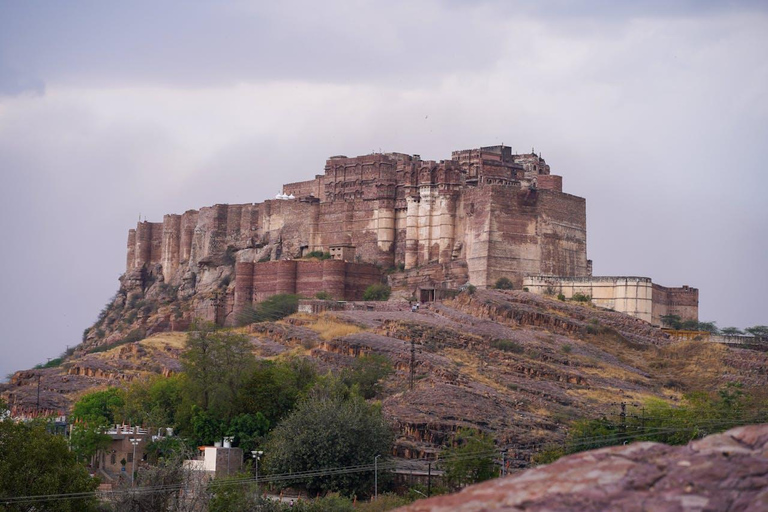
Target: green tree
<point x="503" y="283"/>
<point x="99" y="407"/>
<point x="672" y="321"/>
<point x="216" y="363"/>
<point x="758" y="330"/>
<point x="87" y="439"/>
<point x="367" y="373"/>
<point x="154" y="402"/>
<point x="270" y="310"/>
<point x="36" y="463"/>
<point x="330" y="428"/>
<point x="377" y="292"/>
<point x="470" y="460"/>
<point x="248" y="430"/>
<point x="731" y="331"/>
<point x="273" y="388"/>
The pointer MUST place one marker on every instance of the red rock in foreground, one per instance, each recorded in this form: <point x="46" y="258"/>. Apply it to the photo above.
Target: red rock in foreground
<point x="727" y="471"/>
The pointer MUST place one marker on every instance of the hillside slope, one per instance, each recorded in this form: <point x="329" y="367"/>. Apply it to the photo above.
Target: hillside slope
<point x="513" y="364"/>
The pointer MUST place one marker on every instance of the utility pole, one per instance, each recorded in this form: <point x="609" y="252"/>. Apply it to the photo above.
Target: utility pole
<point x="256" y="455"/>
<point x="503" y="462"/>
<point x="134" y="441"/>
<point x="429" y="480"/>
<point x="413" y="363"/>
<point x="37" y="409"/>
<point x="623" y="417"/>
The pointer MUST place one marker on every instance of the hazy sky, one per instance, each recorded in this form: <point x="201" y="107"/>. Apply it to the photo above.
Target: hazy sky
<point x="656" y="112"/>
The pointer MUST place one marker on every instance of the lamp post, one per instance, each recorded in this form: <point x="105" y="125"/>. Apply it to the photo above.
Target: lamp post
<point x="256" y="455"/>
<point x="134" y="441"/>
<point x="228" y="446"/>
<point x="376" y="477"/>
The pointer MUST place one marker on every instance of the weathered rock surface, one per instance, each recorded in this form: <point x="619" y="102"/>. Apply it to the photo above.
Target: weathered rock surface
<point x="722" y="472"/>
<point x="514" y="365"/>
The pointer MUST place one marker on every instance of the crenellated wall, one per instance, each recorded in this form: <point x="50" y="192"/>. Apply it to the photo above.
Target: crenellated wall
<point x="342" y="280"/>
<point x="479" y="209"/>
<point x="682" y="301"/>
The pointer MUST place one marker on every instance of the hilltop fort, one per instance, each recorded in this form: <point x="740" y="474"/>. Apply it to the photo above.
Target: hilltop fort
<point x="427" y="227"/>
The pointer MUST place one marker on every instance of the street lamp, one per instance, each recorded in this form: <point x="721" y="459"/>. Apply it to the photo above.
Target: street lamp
<point x="134" y="441"/>
<point x="256" y="456"/>
<point x="228" y="446"/>
<point x="376" y="477"/>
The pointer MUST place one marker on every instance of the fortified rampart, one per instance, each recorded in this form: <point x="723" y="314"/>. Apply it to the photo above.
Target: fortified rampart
<point x="342" y="280"/>
<point x="482" y="215"/>
<point x="482" y="207"/>
<point x="635" y="296"/>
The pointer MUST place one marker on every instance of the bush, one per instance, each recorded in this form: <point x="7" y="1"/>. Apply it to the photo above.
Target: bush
<point x="561" y="297"/>
<point x="580" y="297"/>
<point x="270" y="310"/>
<point x="503" y="283"/>
<point x="323" y="295"/>
<point x="507" y="346"/>
<point x="377" y="292"/>
<point x="471" y="289"/>
<point x="319" y="255"/>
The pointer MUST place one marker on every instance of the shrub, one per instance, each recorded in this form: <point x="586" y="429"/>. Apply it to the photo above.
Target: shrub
<point x="526" y="289"/>
<point x="561" y="297"/>
<point x="323" y="295"/>
<point x="377" y="292"/>
<point x="507" y="346"/>
<point x="265" y="259"/>
<point x="319" y="255"/>
<point x="270" y="310"/>
<point x="471" y="289"/>
<point x="580" y="297"/>
<point x="566" y="349"/>
<point x="503" y="283"/>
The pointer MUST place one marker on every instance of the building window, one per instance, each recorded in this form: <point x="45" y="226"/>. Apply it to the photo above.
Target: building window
<point x="113" y="458"/>
<point x="130" y="457"/>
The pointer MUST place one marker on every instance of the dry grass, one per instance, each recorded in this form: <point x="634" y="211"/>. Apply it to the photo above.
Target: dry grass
<point x="690" y="364"/>
<point x="470" y="365"/>
<point x="329" y="327"/>
<point x="609" y="396"/>
<point x="605" y="370"/>
<point x="161" y="340"/>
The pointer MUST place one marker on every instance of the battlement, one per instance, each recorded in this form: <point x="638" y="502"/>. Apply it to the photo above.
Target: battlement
<point x="475" y="212"/>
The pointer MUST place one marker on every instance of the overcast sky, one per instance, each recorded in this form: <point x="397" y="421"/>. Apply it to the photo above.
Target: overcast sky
<point x="656" y="112"/>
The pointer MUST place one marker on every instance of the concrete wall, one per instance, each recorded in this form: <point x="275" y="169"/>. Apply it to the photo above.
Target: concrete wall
<point x="630" y="295"/>
<point x="635" y="296"/>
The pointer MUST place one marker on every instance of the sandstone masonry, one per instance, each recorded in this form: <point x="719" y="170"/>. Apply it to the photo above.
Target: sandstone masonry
<point x="482" y="215"/>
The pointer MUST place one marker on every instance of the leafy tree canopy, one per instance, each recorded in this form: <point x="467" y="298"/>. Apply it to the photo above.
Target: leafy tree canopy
<point x="273" y="388"/>
<point x="367" y="373"/>
<point x="99" y="407"/>
<point x="330" y="428"/>
<point x="758" y="330"/>
<point x="470" y="460"/>
<point x="216" y="363"/>
<point x="34" y="462"/>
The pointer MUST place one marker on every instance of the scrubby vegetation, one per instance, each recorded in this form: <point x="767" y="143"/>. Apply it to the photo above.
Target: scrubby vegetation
<point x="377" y="292"/>
<point x="272" y="309"/>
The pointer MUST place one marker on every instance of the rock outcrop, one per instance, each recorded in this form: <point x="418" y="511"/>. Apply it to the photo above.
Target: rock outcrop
<point x="722" y="472"/>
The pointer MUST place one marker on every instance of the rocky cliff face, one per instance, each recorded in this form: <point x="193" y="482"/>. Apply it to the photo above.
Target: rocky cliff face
<point x="727" y="471"/>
